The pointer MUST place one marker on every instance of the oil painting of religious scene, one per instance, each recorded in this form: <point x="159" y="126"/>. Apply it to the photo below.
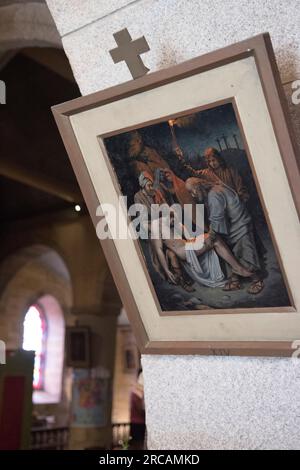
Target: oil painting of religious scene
<point x="201" y="159"/>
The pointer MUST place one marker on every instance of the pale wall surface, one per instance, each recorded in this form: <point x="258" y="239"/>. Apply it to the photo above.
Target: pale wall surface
<point x="222" y="402"/>
<point x="195" y="402"/>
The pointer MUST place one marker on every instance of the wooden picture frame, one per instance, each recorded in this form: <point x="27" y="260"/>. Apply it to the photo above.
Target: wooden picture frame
<point x="78" y="348"/>
<point x="244" y="74"/>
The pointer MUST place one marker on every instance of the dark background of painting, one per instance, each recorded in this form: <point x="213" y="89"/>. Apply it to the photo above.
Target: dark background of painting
<point x="207" y="129"/>
<point x="207" y="126"/>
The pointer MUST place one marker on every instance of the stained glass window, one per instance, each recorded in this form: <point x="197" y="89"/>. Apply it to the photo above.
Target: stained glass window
<point x="34" y="339"/>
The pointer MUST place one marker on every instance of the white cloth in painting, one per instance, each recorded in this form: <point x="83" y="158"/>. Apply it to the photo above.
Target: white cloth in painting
<point x="205" y="269"/>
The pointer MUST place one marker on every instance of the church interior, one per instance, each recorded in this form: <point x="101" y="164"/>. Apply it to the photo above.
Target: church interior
<point x="57" y="296"/>
<point x="72" y="376"/>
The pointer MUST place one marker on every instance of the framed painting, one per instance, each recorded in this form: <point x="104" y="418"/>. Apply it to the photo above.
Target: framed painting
<point x="78" y="347"/>
<point x="210" y="133"/>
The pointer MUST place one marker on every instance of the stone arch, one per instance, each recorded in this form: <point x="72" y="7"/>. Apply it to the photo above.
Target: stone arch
<point x="27" y="24"/>
<point x="47" y="255"/>
<point x="38" y="275"/>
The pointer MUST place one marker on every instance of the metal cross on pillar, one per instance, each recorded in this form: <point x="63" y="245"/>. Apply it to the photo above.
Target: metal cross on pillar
<point x="129" y="51"/>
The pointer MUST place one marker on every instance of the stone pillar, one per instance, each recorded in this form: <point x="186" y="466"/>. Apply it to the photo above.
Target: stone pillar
<point x="196" y="402"/>
<point x="103" y="336"/>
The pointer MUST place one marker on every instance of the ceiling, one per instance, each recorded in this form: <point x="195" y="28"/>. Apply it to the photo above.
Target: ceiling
<point x="30" y="141"/>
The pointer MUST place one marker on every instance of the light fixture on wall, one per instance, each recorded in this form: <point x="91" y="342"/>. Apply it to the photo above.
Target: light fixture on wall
<point x="77" y="208"/>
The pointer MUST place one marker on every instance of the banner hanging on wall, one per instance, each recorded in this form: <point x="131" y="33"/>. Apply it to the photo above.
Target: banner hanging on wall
<point x="89" y="399"/>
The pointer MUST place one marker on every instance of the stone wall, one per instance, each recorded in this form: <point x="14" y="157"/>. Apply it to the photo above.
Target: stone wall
<point x="196" y="402"/>
<point x="27" y="286"/>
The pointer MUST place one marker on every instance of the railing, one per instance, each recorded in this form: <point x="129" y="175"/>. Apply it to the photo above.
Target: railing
<point x="49" y="438"/>
<point x="56" y="438"/>
<point x="120" y="433"/>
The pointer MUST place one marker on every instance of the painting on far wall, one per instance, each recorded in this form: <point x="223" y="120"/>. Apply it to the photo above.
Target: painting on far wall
<point x="200" y="158"/>
<point x="78" y="347"/>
